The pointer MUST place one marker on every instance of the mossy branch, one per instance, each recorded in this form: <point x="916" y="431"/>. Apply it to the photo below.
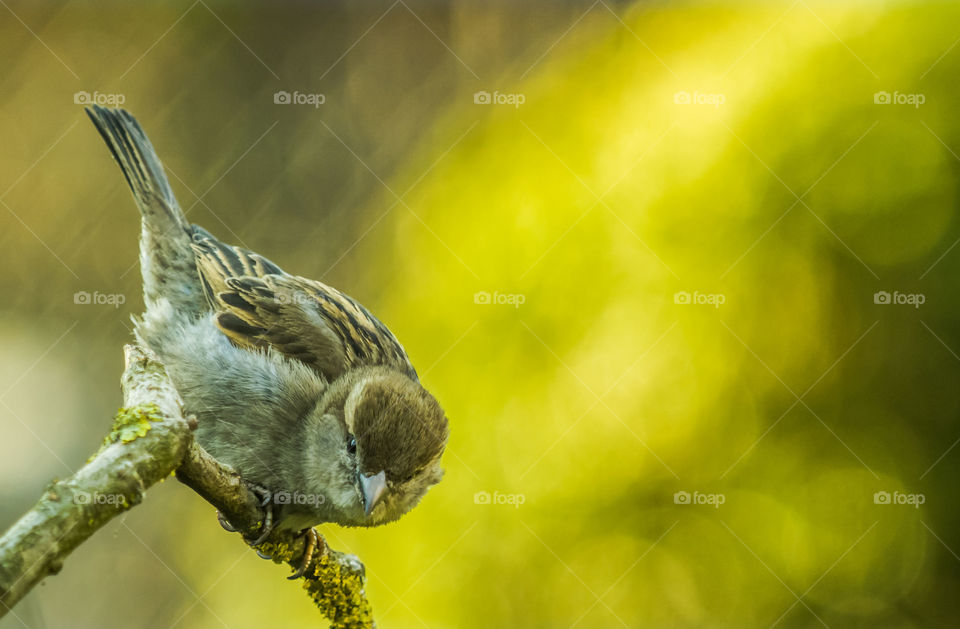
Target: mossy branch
<point x="151" y="439"/>
<point x="334" y="580"/>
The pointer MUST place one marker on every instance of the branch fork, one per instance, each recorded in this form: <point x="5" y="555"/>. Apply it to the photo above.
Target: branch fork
<point x="150" y="440"/>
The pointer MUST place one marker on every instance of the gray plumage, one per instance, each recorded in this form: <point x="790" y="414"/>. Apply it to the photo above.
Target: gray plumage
<point x="294" y="384"/>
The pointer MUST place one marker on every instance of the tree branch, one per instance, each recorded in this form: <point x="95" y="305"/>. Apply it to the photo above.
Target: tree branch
<point x="334" y="580"/>
<point x="151" y="439"/>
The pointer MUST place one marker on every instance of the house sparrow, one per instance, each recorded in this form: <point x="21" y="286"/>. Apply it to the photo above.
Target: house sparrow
<point x="294" y="384"/>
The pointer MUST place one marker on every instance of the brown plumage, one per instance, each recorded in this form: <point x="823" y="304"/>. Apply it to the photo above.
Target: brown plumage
<point x="258" y="305"/>
<point x="390" y="409"/>
<point x="294" y="384"/>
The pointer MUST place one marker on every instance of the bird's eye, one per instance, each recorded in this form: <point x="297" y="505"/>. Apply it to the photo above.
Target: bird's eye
<point x="352" y="445"/>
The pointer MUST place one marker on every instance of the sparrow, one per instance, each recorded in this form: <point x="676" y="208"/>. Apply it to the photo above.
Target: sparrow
<point x="294" y="384"/>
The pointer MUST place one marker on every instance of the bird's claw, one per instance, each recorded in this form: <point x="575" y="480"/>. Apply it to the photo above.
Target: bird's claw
<point x="261" y="492"/>
<point x="265" y="496"/>
<point x="229" y="528"/>
<point x="312" y="541"/>
<point x="266" y="501"/>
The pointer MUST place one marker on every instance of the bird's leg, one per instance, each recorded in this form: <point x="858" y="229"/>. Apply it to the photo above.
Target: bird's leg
<point x="312" y="542"/>
<point x="265" y="496"/>
<point x="266" y="501"/>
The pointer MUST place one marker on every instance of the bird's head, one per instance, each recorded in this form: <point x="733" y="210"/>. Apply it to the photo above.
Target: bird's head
<point x="385" y="452"/>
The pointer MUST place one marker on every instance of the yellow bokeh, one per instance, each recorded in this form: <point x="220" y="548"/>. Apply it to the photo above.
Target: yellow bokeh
<point x="647" y="297"/>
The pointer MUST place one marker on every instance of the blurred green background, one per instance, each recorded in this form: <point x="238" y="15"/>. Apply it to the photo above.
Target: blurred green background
<point x="699" y="415"/>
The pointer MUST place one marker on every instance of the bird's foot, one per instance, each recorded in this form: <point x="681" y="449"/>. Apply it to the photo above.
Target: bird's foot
<point x="266" y="501"/>
<point x="265" y="496"/>
<point x="312" y="543"/>
<point x="229" y="528"/>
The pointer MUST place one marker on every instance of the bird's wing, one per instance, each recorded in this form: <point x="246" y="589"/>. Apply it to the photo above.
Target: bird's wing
<point x="258" y="305"/>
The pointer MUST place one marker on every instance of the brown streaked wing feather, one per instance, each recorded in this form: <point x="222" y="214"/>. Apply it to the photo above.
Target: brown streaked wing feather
<point x="367" y="341"/>
<point x="216" y="262"/>
<point x="258" y="305"/>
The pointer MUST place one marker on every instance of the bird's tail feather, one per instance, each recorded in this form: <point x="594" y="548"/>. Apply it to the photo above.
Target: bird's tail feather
<point x="137" y="159"/>
<point x="166" y="257"/>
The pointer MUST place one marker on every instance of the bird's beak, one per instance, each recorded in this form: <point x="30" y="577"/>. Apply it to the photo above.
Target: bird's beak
<point x="373" y="487"/>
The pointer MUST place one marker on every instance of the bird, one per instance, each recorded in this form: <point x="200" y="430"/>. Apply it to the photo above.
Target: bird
<point x="294" y="384"/>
